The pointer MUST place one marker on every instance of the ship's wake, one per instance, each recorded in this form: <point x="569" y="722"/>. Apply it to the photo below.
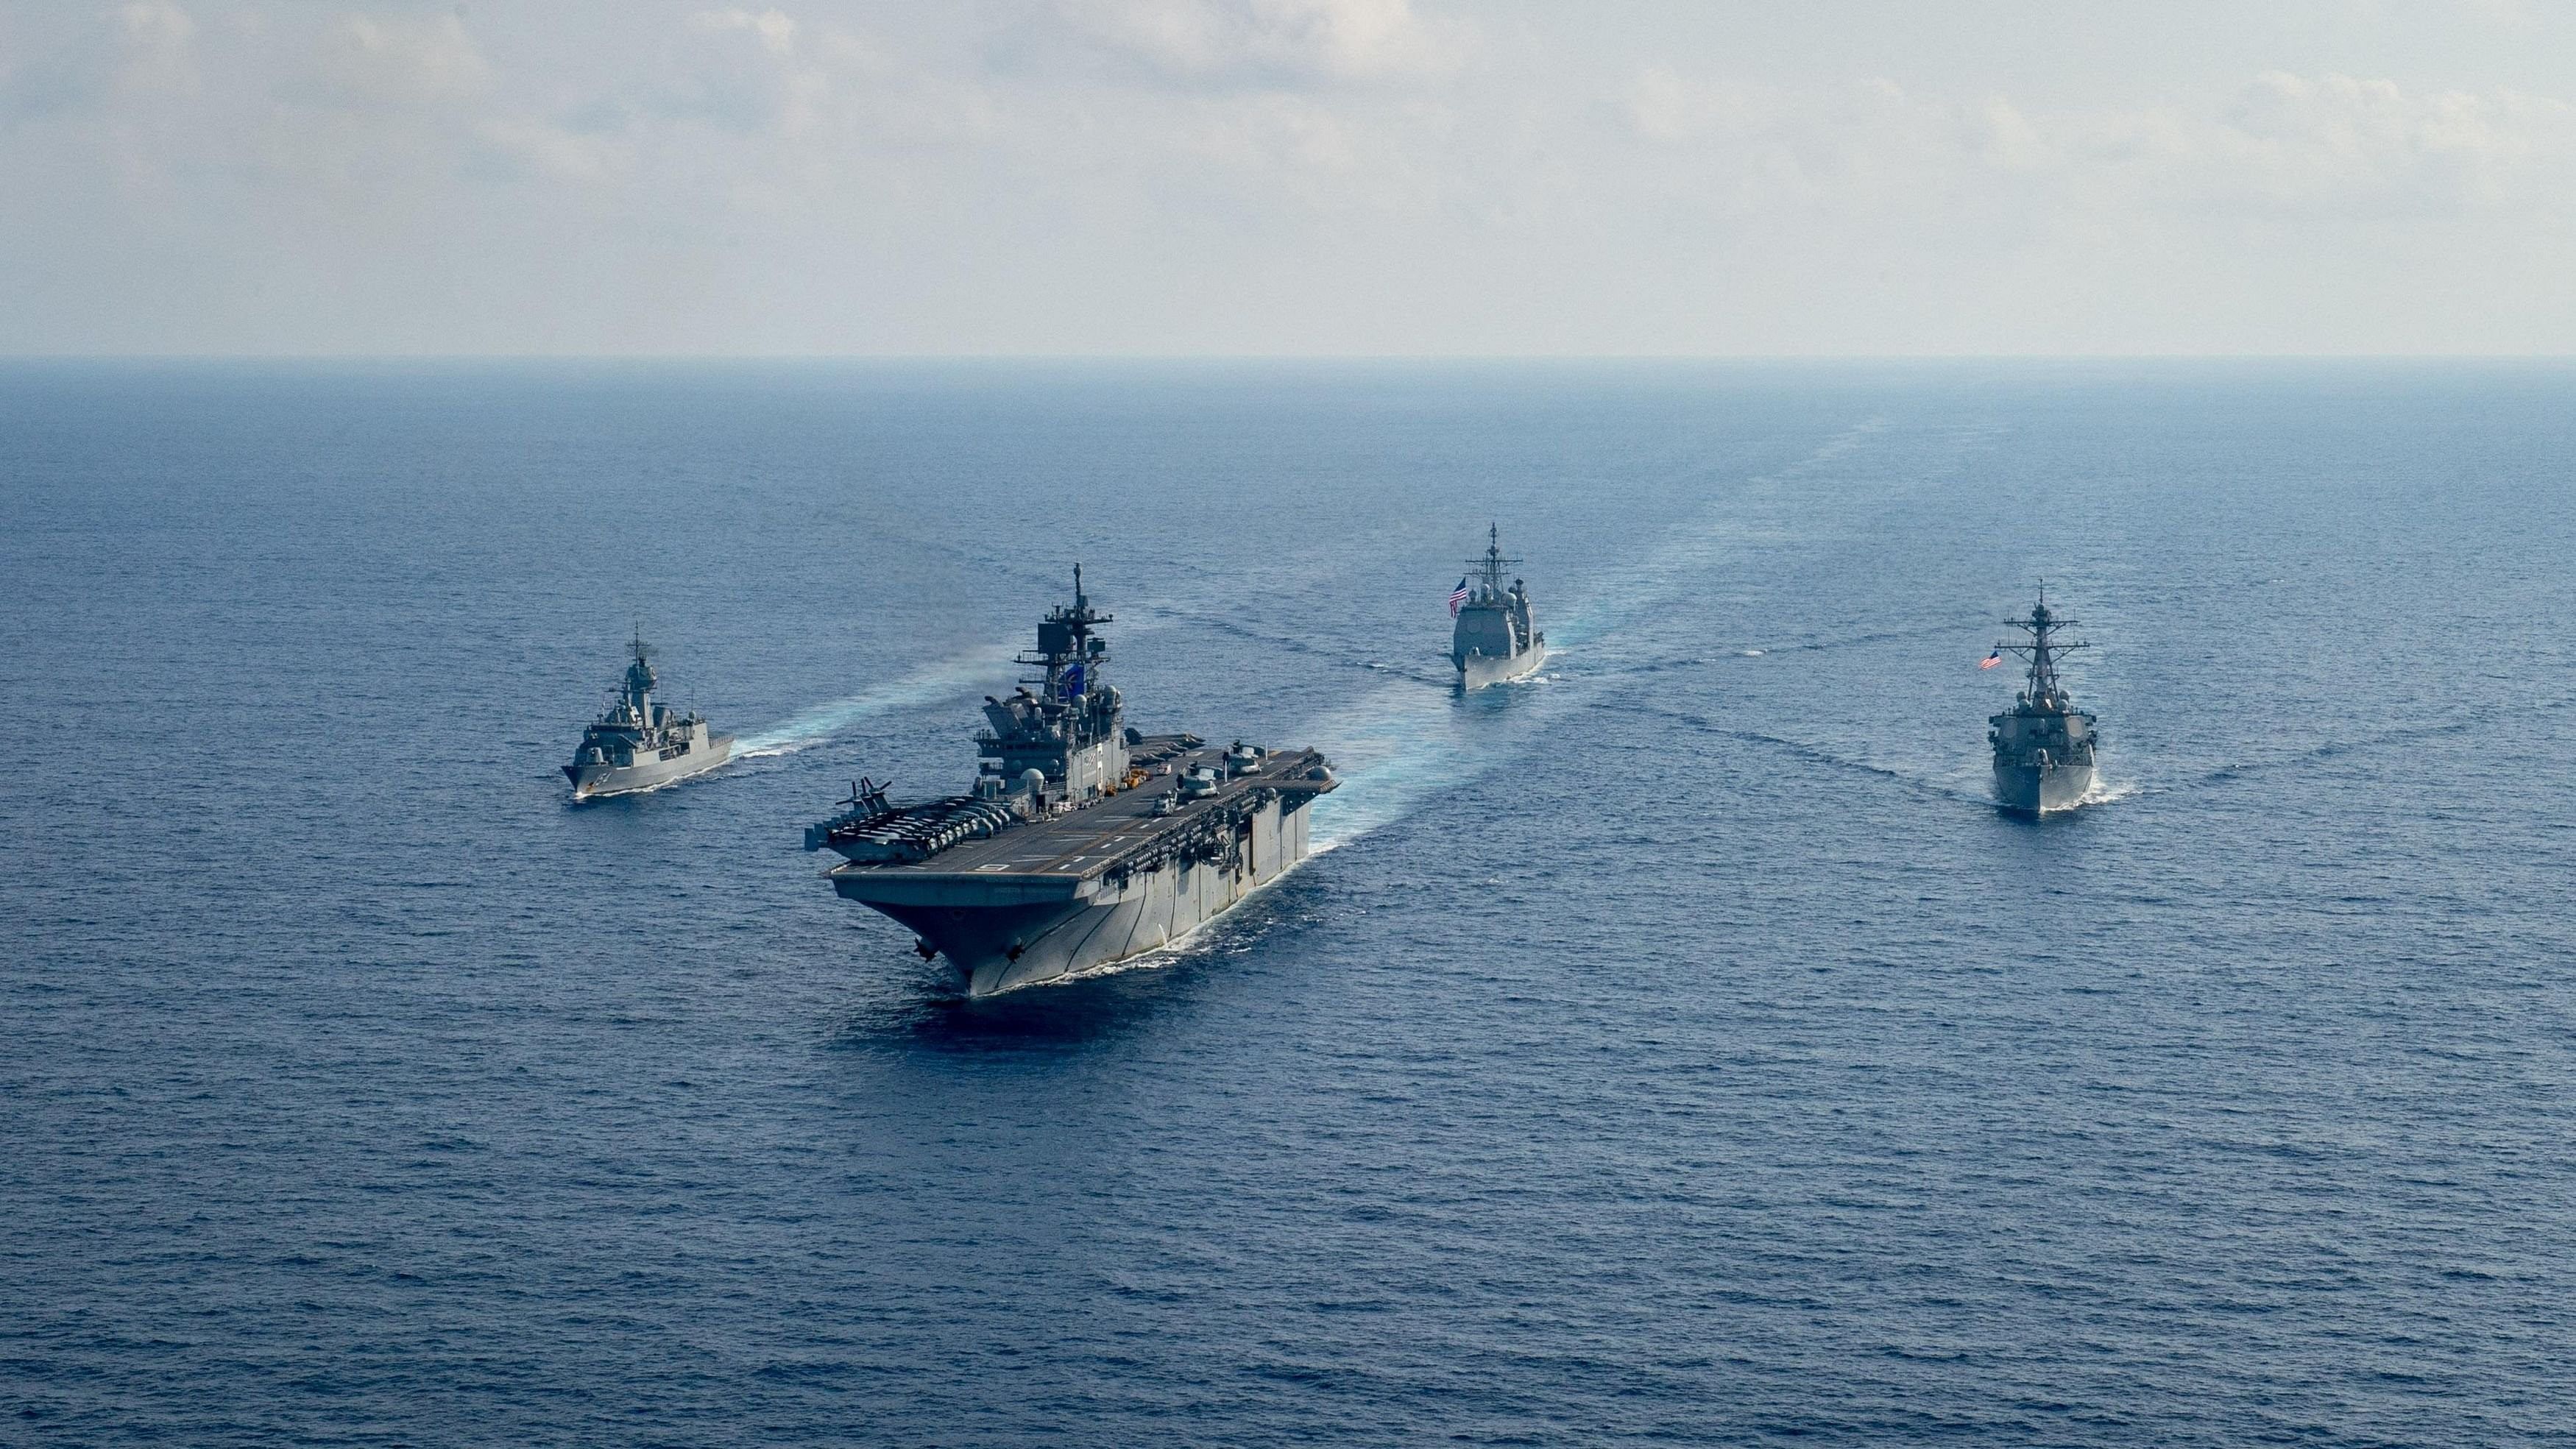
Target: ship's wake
<point x="931" y="684"/>
<point x="2111" y="792"/>
<point x="1396" y="746"/>
<point x="1727" y="529"/>
<point x="2468" y="721"/>
<point x="1951" y="786"/>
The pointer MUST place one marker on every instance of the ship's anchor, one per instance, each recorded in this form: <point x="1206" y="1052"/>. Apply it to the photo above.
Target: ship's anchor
<point x="928" y="951"/>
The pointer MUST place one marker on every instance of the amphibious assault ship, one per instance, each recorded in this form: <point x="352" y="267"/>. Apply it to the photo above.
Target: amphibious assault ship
<point x="1494" y="640"/>
<point x="2044" y="745"/>
<point x="638" y="744"/>
<point x="1083" y="842"/>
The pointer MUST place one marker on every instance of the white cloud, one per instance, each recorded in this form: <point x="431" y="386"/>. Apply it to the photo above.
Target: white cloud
<point x="160" y="54"/>
<point x="2284" y="143"/>
<point x="1223" y="175"/>
<point x="2338" y="143"/>
<point x="159" y="24"/>
<point x="775" y="28"/>
<point x="1859" y="146"/>
<point x="586" y="157"/>
<point x="398" y="60"/>
<point x="1661" y="106"/>
<point x="1267" y="42"/>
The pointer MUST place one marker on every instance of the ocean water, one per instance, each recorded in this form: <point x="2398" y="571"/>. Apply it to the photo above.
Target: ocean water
<point x="1676" y="1048"/>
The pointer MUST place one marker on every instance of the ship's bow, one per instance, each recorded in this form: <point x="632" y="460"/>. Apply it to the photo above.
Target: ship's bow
<point x="2040" y="789"/>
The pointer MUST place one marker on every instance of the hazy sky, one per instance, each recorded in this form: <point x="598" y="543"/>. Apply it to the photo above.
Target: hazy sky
<point x="1288" y="176"/>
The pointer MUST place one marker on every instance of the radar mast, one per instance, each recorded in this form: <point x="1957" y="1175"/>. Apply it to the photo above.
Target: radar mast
<point x="1067" y="646"/>
<point x="2043" y="690"/>
<point x="1490" y="567"/>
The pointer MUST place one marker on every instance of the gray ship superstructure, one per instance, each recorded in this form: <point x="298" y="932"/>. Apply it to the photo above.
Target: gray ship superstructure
<point x="1494" y="639"/>
<point x="1083" y="842"/>
<point x="2044" y="744"/>
<point x="638" y="744"/>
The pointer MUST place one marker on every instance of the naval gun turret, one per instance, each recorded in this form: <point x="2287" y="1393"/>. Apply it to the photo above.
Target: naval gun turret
<point x="2044" y="744"/>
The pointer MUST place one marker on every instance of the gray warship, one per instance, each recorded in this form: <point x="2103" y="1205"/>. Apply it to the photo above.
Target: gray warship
<point x="2044" y="744"/>
<point x="1083" y="842"/>
<point x="637" y="744"/>
<point x="1494" y="640"/>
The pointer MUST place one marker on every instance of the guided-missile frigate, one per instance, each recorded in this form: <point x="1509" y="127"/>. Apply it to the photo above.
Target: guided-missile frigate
<point x="1494" y="640"/>
<point x="1083" y="842"/>
<point x="2044" y="745"/>
<point x="638" y="744"/>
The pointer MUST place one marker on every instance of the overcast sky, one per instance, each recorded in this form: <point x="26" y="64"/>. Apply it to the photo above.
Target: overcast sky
<point x="1173" y="177"/>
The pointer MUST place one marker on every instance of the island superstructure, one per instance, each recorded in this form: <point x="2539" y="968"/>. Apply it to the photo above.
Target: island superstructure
<point x="1494" y="639"/>
<point x="2044" y="744"/>
<point x="1083" y="842"/>
<point x="638" y="744"/>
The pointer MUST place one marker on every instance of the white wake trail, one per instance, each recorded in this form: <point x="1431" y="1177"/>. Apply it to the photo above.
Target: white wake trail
<point x="1401" y="743"/>
<point x="931" y="684"/>
<point x="1726" y="529"/>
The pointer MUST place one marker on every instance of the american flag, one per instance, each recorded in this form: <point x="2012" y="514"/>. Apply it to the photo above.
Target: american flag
<point x="1991" y="660"/>
<point x="1457" y="598"/>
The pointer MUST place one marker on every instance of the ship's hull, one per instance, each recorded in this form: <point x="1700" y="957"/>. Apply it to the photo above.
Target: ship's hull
<point x="1475" y="671"/>
<point x="1004" y="932"/>
<point x="590" y="782"/>
<point x="2039" y="789"/>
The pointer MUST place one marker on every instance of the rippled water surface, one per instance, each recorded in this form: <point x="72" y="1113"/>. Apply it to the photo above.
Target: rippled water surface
<point x="1674" y="1048"/>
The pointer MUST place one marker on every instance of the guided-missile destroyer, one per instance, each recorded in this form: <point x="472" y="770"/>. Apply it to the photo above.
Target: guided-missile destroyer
<point x="1083" y="842"/>
<point x="2044" y="746"/>
<point x="638" y="744"/>
<point x="1494" y="640"/>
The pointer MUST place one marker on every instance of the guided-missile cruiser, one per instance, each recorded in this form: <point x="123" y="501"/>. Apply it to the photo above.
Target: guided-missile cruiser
<point x="638" y="744"/>
<point x="2044" y="744"/>
<point x="1083" y="842"/>
<point x="1494" y="639"/>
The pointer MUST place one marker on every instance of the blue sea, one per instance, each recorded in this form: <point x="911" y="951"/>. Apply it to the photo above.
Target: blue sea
<point x="1675" y="1048"/>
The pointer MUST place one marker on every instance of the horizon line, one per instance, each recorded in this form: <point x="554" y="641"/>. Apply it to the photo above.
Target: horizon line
<point x="17" y="358"/>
